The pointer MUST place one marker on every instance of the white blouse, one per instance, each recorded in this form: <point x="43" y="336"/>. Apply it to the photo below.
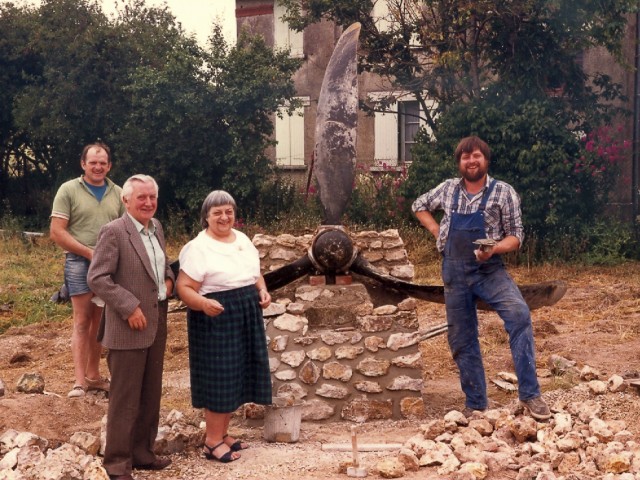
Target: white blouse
<point x="220" y="266"/>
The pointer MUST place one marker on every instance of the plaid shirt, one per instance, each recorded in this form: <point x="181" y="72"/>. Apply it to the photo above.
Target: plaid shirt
<point x="502" y="217"/>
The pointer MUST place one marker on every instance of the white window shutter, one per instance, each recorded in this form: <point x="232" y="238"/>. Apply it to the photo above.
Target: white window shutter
<point x="283" y="36"/>
<point x="386" y="137"/>
<point x="290" y="139"/>
<point x="283" y="135"/>
<point x="297" y="138"/>
<point x="380" y="15"/>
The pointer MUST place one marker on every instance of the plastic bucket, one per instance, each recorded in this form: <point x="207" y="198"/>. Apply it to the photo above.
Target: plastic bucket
<point x="282" y="421"/>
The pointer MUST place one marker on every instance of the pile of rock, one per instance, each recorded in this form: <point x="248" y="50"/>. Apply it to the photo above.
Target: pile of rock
<point x="576" y="443"/>
<point x="26" y="456"/>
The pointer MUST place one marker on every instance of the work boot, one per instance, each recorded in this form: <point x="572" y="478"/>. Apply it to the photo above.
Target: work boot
<point x="537" y="408"/>
<point x="469" y="412"/>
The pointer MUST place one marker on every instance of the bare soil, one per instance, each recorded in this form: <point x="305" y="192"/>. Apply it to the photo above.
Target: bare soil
<point x="597" y="323"/>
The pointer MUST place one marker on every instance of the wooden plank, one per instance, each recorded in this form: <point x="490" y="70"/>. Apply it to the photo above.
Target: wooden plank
<point x="362" y="447"/>
<point x="28" y="235"/>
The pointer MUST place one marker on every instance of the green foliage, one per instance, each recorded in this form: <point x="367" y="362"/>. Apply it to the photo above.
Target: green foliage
<point x="597" y="168"/>
<point x="213" y="109"/>
<point x="377" y="201"/>
<point x="562" y="178"/>
<point x="195" y="118"/>
<point x="284" y="206"/>
<point x="599" y="243"/>
<point x="8" y="221"/>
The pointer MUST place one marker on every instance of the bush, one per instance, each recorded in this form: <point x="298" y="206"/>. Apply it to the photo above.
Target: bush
<point x="561" y="176"/>
<point x="377" y="200"/>
<point x="283" y="207"/>
<point x="601" y="243"/>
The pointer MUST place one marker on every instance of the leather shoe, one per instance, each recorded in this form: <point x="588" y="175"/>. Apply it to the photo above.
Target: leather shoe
<point x="122" y="477"/>
<point x="159" y="463"/>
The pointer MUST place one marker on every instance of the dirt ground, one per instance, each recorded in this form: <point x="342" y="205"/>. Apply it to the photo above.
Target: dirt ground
<point x="597" y="323"/>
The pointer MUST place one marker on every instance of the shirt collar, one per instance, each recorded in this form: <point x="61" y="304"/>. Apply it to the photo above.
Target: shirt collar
<point x="140" y="228"/>
<point x="107" y="182"/>
<point x="486" y="184"/>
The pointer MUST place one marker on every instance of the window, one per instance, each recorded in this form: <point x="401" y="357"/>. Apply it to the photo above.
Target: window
<point x="381" y="16"/>
<point x="290" y="137"/>
<point x="283" y="36"/>
<point x="408" y="124"/>
<point x="395" y="130"/>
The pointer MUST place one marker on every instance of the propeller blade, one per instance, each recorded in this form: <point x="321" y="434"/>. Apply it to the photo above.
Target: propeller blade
<point x="432" y="293"/>
<point x="337" y="116"/>
<point x="543" y="294"/>
<point x="536" y="295"/>
<point x="288" y="273"/>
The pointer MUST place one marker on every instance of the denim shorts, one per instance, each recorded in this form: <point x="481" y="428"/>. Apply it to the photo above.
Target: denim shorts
<point x="76" y="268"/>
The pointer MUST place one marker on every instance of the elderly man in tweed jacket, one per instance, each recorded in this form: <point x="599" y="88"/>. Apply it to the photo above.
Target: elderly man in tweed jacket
<point x="130" y="272"/>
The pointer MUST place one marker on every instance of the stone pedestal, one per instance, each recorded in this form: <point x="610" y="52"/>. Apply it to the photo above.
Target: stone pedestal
<point x="346" y="349"/>
<point x="344" y="358"/>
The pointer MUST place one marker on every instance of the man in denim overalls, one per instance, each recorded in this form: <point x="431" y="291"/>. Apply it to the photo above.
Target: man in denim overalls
<point x="475" y="207"/>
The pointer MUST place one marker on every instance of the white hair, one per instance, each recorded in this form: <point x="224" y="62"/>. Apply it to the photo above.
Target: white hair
<point x="127" y="188"/>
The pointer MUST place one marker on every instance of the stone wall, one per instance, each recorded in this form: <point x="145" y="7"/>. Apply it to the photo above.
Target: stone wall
<point x="346" y="351"/>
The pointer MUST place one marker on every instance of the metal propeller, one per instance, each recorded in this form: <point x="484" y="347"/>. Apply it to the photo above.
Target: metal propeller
<point x="332" y="251"/>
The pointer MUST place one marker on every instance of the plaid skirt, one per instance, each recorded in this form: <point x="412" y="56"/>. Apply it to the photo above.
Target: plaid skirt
<point x="228" y="356"/>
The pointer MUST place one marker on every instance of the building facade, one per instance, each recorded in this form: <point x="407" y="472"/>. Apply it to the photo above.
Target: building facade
<point x="384" y="140"/>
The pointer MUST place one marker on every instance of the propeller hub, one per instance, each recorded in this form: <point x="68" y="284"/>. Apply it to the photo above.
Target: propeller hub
<point x="332" y="250"/>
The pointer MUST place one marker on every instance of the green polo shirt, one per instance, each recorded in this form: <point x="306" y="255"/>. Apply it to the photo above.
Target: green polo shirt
<point x="86" y="215"/>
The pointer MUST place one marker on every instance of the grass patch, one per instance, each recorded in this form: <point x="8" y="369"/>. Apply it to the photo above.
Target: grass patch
<point x="423" y="254"/>
<point x="30" y="272"/>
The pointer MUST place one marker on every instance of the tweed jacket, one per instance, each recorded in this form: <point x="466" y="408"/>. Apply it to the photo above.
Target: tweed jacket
<point x="121" y="274"/>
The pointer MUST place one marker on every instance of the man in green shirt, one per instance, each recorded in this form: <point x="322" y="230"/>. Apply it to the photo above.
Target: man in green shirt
<point x="81" y="206"/>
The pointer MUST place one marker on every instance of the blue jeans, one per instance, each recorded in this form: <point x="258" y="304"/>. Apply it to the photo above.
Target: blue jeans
<point x="465" y="281"/>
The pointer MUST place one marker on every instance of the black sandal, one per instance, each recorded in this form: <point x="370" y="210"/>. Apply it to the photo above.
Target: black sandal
<point x="226" y="458"/>
<point x="235" y="446"/>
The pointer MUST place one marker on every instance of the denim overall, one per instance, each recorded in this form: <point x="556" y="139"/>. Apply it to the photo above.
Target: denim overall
<point x="465" y="281"/>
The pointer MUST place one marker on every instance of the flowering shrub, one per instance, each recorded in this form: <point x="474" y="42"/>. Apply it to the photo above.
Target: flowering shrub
<point x="598" y="165"/>
<point x="377" y="201"/>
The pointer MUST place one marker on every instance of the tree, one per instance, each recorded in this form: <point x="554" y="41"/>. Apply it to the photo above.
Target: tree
<point x="452" y="51"/>
<point x="195" y="118"/>
<point x="18" y="64"/>
<point x="508" y="71"/>
<point x="204" y="119"/>
<point x="63" y="105"/>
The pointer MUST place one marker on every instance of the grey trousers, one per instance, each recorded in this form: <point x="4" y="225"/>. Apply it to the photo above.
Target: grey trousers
<point x="134" y="404"/>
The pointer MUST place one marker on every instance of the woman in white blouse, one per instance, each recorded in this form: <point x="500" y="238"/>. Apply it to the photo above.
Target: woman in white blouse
<point x="221" y="284"/>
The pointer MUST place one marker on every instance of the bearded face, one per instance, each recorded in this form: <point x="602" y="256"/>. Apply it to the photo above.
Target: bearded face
<point x="473" y="166"/>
